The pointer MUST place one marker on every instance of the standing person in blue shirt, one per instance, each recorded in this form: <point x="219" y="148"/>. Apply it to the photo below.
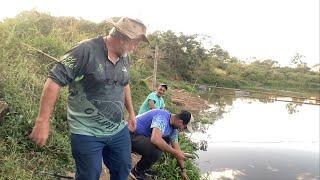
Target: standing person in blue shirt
<point x="154" y="100"/>
<point x="157" y="132"/>
<point x="97" y="73"/>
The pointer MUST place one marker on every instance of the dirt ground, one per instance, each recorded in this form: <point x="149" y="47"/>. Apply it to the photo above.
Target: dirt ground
<point x="184" y="99"/>
<point x="188" y="101"/>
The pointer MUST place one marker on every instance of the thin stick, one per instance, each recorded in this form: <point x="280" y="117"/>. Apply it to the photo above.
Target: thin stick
<point x="148" y="78"/>
<point x="39" y="51"/>
<point x="55" y="175"/>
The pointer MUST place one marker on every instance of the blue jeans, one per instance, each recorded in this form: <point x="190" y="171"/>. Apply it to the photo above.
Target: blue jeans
<point x="88" y="152"/>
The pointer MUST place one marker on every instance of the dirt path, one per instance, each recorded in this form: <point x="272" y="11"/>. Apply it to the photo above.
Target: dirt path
<point x="184" y="99"/>
<point x="188" y="101"/>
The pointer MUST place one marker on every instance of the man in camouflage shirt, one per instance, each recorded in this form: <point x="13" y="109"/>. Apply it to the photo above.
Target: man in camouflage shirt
<point x="97" y="73"/>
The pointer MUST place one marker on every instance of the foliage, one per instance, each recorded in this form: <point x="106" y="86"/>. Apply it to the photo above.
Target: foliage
<point x="181" y="52"/>
<point x="169" y="164"/>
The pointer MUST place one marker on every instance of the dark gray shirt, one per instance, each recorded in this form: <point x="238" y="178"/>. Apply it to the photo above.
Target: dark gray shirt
<point x="96" y="88"/>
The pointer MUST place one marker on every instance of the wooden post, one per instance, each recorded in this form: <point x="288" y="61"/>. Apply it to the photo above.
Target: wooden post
<point x="3" y="109"/>
<point x="155" y="66"/>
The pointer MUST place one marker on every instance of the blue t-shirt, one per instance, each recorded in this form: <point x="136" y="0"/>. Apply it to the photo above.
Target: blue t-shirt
<point x="158" y="102"/>
<point x="156" y="118"/>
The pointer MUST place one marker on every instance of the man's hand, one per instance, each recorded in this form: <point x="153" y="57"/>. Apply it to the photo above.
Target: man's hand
<point x="40" y="132"/>
<point x="151" y="104"/>
<point x="184" y="174"/>
<point x="128" y="104"/>
<point x="179" y="155"/>
<point x="132" y="123"/>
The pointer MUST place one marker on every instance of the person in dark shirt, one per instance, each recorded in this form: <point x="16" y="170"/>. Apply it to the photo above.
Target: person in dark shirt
<point x="157" y="132"/>
<point x="97" y="73"/>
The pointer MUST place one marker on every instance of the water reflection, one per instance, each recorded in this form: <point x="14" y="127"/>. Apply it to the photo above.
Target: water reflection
<point x="245" y="135"/>
<point x="304" y="176"/>
<point x="292" y="107"/>
<point x="257" y="162"/>
<point x="218" y="106"/>
<point x="201" y="145"/>
<point x="250" y="120"/>
<point x="221" y="102"/>
<point x="229" y="174"/>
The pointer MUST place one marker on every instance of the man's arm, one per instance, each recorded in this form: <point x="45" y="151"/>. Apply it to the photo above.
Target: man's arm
<point x="156" y="139"/>
<point x="184" y="175"/>
<point x="129" y="107"/>
<point x="40" y="132"/>
<point x="151" y="104"/>
<point x="176" y="146"/>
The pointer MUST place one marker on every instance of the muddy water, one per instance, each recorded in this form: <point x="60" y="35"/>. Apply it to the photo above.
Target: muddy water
<point x="248" y="136"/>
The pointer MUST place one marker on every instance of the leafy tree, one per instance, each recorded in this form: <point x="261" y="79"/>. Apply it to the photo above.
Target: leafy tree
<point x="182" y="52"/>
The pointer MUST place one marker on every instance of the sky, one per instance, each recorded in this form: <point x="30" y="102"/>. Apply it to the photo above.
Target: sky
<point x="247" y="29"/>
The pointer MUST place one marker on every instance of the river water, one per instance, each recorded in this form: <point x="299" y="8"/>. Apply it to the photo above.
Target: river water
<point x="257" y="138"/>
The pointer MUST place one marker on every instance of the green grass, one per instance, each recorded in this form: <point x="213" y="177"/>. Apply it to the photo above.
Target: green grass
<point x="169" y="164"/>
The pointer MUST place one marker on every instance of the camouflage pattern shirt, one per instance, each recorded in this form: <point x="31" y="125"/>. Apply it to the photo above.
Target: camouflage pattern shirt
<point x="96" y="88"/>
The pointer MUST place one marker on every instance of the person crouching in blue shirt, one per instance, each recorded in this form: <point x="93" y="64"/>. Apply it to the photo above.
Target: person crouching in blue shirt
<point x="155" y="131"/>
